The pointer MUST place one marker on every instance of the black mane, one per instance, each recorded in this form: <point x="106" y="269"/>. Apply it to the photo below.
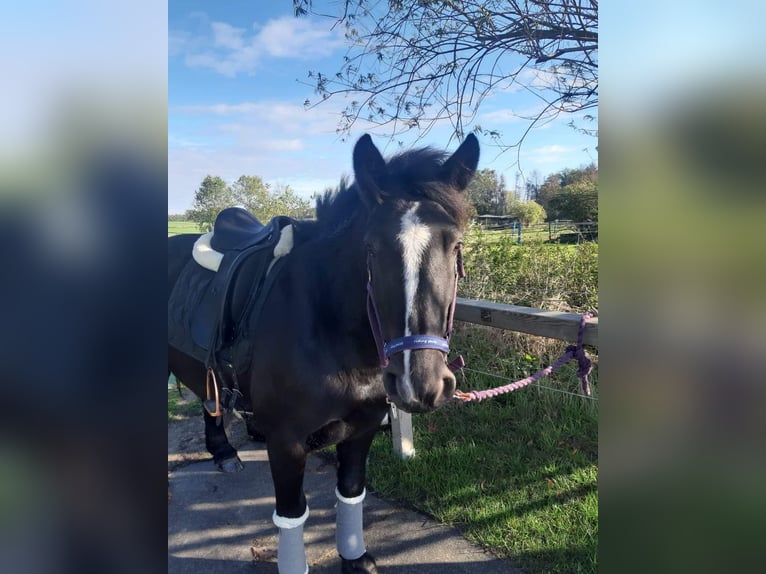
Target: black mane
<point x="413" y="176"/>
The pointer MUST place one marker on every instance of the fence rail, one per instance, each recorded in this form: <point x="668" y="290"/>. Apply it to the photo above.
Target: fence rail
<point x="551" y="324"/>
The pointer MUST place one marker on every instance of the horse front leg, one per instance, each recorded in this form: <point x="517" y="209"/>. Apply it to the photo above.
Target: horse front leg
<point x="351" y="491"/>
<point x="288" y="461"/>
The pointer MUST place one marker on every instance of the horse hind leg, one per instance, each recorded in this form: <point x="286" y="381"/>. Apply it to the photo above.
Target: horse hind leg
<point x="351" y="491"/>
<point x="193" y="375"/>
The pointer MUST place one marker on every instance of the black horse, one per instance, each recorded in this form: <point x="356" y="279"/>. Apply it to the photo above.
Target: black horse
<point x="357" y="316"/>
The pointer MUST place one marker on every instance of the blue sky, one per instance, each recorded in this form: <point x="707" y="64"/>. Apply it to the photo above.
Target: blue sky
<point x="237" y="80"/>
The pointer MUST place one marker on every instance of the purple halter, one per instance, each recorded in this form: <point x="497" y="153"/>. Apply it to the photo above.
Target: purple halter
<point x="412" y="342"/>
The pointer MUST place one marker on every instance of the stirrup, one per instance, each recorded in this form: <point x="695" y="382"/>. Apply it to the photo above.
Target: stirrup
<point x="212" y="406"/>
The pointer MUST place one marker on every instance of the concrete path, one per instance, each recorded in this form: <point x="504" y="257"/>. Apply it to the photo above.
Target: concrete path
<point x="221" y="524"/>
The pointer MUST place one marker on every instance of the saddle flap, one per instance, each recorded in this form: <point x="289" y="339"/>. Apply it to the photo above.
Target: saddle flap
<point x="219" y="313"/>
<point x="236" y="285"/>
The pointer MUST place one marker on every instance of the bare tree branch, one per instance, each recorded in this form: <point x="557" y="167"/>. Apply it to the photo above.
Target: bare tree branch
<point x="415" y="63"/>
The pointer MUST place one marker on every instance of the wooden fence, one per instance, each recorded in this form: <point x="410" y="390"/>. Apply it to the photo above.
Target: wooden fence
<point x="551" y="324"/>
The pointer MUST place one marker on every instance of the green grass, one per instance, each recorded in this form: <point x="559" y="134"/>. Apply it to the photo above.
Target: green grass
<point x="176" y="227"/>
<point x="179" y="407"/>
<point x="517" y="474"/>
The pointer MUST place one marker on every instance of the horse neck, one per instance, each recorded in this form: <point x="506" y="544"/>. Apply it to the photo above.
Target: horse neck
<point x="346" y="274"/>
<point x="341" y="289"/>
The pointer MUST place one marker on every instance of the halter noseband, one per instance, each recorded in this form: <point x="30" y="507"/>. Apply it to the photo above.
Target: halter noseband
<point x="412" y="342"/>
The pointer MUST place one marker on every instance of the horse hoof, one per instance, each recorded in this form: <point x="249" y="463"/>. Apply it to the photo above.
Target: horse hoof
<point x="230" y="465"/>
<point x="365" y="564"/>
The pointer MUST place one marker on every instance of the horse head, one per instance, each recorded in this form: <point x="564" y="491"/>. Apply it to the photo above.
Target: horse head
<point x="416" y="214"/>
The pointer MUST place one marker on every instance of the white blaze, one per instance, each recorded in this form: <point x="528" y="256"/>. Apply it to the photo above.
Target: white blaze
<point x="414" y="238"/>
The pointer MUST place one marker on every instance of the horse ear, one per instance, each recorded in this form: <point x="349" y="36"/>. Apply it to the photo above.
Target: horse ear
<point x="370" y="170"/>
<point x="458" y="170"/>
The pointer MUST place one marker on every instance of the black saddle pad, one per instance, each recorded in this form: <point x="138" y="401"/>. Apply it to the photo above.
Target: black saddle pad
<point x="185" y="297"/>
<point x="209" y="311"/>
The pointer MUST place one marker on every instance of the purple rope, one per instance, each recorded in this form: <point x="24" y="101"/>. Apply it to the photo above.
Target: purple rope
<point x="572" y="352"/>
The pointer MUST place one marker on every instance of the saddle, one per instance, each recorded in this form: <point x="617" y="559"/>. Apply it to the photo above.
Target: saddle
<point x="245" y="255"/>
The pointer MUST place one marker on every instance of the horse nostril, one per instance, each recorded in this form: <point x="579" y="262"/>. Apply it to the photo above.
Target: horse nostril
<point x="449" y="384"/>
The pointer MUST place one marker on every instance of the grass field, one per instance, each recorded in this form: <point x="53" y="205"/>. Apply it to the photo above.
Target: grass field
<point x="176" y="227"/>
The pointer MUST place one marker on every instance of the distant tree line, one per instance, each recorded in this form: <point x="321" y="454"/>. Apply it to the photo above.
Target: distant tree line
<point x="250" y="192"/>
<point x="568" y="194"/>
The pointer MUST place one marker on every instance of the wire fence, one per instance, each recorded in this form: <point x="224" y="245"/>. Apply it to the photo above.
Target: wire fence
<point x="559" y="231"/>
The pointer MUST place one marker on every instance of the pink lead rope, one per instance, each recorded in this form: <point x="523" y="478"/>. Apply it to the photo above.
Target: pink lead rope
<point x="572" y="352"/>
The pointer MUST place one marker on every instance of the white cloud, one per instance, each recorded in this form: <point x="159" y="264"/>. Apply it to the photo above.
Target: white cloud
<point x="178" y="41"/>
<point x="290" y="37"/>
<point x="230" y="51"/>
<point x="547" y="154"/>
<point x="289" y="120"/>
<point x="227" y="36"/>
<point x="498" y="117"/>
<point x="554" y="149"/>
<point x="510" y="115"/>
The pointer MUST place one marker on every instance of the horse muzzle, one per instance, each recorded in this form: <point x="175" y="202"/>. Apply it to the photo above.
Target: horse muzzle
<point x="419" y="381"/>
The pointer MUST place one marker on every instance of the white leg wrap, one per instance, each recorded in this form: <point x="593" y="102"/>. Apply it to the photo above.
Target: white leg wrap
<point x="291" y="556"/>
<point x="349" y="533"/>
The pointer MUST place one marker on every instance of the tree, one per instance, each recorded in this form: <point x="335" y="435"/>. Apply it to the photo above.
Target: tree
<point x="413" y="63"/>
<point x="555" y="182"/>
<point x="532" y="186"/>
<point x="577" y="201"/>
<point x="527" y="211"/>
<point x="286" y="202"/>
<point x="212" y="196"/>
<point x="252" y="193"/>
<point x="486" y="193"/>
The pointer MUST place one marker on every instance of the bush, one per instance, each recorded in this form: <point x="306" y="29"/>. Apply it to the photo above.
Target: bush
<point x="528" y="212"/>
<point x="546" y="276"/>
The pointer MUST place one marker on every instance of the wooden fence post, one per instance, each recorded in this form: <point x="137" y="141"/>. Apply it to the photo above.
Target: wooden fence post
<point x="401" y="429"/>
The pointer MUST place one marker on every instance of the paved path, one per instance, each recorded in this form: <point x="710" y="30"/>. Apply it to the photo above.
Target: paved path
<point x="218" y="523"/>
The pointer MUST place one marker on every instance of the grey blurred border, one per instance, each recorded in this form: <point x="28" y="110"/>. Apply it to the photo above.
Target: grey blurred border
<point x="682" y="158"/>
<point x="83" y="184"/>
